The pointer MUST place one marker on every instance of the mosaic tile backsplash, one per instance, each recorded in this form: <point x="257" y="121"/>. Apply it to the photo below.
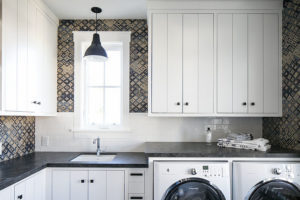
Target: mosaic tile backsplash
<point x="285" y="131"/>
<point x="138" y="60"/>
<point x="17" y="136"/>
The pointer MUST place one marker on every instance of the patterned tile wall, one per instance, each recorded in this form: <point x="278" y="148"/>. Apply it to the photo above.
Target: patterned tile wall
<point x="17" y="136"/>
<point x="285" y="131"/>
<point x="138" y="60"/>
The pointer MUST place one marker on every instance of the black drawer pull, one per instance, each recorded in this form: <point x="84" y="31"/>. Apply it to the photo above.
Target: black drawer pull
<point x="136" y="174"/>
<point x="136" y="198"/>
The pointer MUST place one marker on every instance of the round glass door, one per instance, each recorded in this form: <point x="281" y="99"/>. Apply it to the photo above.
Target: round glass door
<point x="193" y="189"/>
<point x="275" y="190"/>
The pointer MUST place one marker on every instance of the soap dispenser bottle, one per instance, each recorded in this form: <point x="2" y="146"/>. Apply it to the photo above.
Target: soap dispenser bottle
<point x="208" y="135"/>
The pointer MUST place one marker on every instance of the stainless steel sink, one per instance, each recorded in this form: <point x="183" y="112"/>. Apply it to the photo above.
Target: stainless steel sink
<point x="93" y="158"/>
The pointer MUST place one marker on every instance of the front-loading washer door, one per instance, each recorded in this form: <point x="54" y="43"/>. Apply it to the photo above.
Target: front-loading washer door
<point x="193" y="189"/>
<point x="276" y="189"/>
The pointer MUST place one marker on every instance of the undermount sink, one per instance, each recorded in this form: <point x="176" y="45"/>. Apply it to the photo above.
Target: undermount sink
<point x="93" y="158"/>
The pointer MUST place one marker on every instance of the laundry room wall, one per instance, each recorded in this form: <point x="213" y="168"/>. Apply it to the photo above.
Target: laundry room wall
<point x="285" y="131"/>
<point x="59" y="130"/>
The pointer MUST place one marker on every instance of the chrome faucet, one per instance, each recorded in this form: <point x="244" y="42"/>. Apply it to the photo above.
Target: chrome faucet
<point x="97" y="140"/>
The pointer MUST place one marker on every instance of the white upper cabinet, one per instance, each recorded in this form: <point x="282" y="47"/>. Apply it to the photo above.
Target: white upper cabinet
<point x="215" y="58"/>
<point x="248" y="64"/>
<point x="182" y="64"/>
<point x="28" y="72"/>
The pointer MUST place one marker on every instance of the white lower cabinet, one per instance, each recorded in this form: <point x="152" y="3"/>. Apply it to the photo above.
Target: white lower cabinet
<point x="7" y="193"/>
<point x="32" y="188"/>
<point x="88" y="184"/>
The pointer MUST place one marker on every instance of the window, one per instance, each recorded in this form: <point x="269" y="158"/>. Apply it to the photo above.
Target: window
<point x="101" y="89"/>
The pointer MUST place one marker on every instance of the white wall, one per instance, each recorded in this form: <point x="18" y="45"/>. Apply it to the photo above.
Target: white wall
<point x="142" y="129"/>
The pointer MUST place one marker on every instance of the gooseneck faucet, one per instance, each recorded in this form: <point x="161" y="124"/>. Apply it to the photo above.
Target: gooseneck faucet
<point x="97" y="140"/>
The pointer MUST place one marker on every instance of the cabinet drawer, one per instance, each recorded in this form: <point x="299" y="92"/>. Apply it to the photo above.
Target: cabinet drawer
<point x="136" y="176"/>
<point x="136" y="196"/>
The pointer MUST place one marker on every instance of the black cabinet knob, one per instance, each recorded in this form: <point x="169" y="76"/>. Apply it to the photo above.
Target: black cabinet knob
<point x="20" y="196"/>
<point x="186" y="103"/>
<point x="178" y="103"/>
<point x="244" y="103"/>
<point x="92" y="181"/>
<point x="82" y="181"/>
<point x="252" y="104"/>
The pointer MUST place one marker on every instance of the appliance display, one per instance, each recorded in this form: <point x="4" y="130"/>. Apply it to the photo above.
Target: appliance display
<point x="191" y="180"/>
<point x="266" y="180"/>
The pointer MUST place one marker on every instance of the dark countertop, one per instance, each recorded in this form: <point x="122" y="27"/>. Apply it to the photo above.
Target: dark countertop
<point x="202" y="149"/>
<point x="14" y="170"/>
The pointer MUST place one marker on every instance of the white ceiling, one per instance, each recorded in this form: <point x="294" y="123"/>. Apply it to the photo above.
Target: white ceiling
<point x="112" y="9"/>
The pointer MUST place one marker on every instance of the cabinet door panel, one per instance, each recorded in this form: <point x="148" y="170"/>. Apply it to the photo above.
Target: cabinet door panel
<point x="60" y="185"/>
<point x="7" y="193"/>
<point x="224" y="63"/>
<point x="206" y="64"/>
<point x="271" y="63"/>
<point x="79" y="185"/>
<point x="174" y="63"/>
<point x="97" y="185"/>
<point x="115" y="185"/>
<point x="40" y="186"/>
<point x="22" y="66"/>
<point x="190" y="63"/>
<point x="240" y="63"/>
<point x="10" y="52"/>
<point x="255" y="62"/>
<point x="32" y="54"/>
<point x="30" y="189"/>
<point x="159" y="63"/>
<point x="20" y="191"/>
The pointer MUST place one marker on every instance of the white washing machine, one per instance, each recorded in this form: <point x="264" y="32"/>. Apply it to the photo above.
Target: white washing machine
<point x="176" y="180"/>
<point x="266" y="180"/>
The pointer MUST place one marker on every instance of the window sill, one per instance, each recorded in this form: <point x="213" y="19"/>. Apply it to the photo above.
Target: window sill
<point x="122" y="130"/>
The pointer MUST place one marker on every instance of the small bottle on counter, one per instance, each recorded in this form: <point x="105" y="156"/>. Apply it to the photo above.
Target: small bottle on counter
<point x="208" y="135"/>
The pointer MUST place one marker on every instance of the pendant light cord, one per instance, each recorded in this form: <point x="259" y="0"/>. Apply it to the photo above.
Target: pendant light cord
<point x="96" y="23"/>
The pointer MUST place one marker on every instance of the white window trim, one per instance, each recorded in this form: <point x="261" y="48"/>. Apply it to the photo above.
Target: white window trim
<point x="106" y="36"/>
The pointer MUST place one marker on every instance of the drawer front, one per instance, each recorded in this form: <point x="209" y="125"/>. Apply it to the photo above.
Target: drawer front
<point x="136" y="181"/>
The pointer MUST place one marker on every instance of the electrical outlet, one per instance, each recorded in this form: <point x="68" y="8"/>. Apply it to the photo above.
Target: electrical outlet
<point x="45" y="141"/>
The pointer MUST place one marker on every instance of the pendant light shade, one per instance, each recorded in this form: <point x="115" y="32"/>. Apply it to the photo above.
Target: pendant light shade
<point x="96" y="52"/>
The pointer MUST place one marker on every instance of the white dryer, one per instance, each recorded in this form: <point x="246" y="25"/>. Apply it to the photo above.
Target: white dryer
<point x="266" y="181"/>
<point x="192" y="180"/>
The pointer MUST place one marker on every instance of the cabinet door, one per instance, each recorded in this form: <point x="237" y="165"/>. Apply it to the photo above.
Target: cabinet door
<point x="167" y="63"/>
<point x="115" y="185"/>
<point x="10" y="54"/>
<point x="79" y="185"/>
<point x="60" y="185"/>
<point x="271" y="64"/>
<point x="20" y="191"/>
<point x="240" y="62"/>
<point x="97" y="185"/>
<point x="22" y="62"/>
<point x="7" y="194"/>
<point x="39" y="184"/>
<point x="159" y="66"/>
<point x="198" y="42"/>
<point x="255" y="62"/>
<point x="224" y="63"/>
<point x="174" y="63"/>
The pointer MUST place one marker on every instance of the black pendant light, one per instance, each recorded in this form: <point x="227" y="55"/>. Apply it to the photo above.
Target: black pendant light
<point x="96" y="52"/>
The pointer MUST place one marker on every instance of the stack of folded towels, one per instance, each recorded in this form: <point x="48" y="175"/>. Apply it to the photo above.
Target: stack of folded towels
<point x="244" y="141"/>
